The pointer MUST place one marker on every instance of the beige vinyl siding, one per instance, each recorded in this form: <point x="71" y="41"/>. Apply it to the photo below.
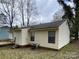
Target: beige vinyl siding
<point x="64" y="35"/>
<point x="22" y="37"/>
<point x="25" y="37"/>
<point x="18" y="36"/>
<point x="41" y="37"/>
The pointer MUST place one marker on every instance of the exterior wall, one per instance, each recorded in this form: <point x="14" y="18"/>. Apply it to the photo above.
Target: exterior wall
<point x="41" y="38"/>
<point x="64" y="35"/>
<point x="4" y="34"/>
<point x="10" y="36"/>
<point x="22" y="37"/>
<point x="18" y="36"/>
<point x="25" y="37"/>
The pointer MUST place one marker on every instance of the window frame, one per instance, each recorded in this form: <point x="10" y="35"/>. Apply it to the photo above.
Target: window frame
<point x="32" y="36"/>
<point x="51" y="36"/>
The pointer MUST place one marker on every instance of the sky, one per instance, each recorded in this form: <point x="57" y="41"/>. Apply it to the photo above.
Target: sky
<point x="46" y="9"/>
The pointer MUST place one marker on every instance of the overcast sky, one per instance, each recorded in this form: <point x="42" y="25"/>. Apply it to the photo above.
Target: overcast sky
<point x="47" y="8"/>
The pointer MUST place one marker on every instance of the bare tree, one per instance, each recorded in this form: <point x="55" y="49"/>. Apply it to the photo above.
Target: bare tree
<point x="27" y="9"/>
<point x="2" y="19"/>
<point x="21" y="4"/>
<point x="31" y="10"/>
<point x="58" y="15"/>
<point x="7" y="9"/>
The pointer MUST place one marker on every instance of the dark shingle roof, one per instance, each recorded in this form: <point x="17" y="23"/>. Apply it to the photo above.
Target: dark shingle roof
<point x="55" y="24"/>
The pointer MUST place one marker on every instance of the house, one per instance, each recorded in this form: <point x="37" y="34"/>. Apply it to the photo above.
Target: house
<point x="4" y="28"/>
<point x="54" y="35"/>
<point x="4" y="33"/>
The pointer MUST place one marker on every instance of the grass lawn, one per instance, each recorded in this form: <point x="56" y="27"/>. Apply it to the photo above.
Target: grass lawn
<point x="71" y="51"/>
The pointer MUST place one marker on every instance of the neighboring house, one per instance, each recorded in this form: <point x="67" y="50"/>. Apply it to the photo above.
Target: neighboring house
<point x="4" y="29"/>
<point x="53" y="35"/>
<point x="4" y="33"/>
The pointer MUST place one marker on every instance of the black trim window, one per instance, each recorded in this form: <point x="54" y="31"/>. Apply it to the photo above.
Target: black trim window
<point x="32" y="36"/>
<point x="51" y="36"/>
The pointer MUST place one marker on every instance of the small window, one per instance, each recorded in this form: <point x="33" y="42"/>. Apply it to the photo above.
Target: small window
<point x="32" y="36"/>
<point x="51" y="36"/>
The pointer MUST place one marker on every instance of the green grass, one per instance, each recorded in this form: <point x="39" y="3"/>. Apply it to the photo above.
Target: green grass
<point x="68" y="52"/>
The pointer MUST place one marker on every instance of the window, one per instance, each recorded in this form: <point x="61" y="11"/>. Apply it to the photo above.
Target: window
<point x="51" y="36"/>
<point x="32" y="36"/>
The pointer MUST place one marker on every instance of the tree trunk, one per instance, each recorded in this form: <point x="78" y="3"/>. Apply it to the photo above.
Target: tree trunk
<point x="11" y="25"/>
<point x="23" y="18"/>
<point x="22" y="12"/>
<point x="27" y="22"/>
<point x="76" y="34"/>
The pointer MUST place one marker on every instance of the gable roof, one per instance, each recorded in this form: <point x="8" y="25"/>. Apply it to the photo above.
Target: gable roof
<point x="55" y="24"/>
